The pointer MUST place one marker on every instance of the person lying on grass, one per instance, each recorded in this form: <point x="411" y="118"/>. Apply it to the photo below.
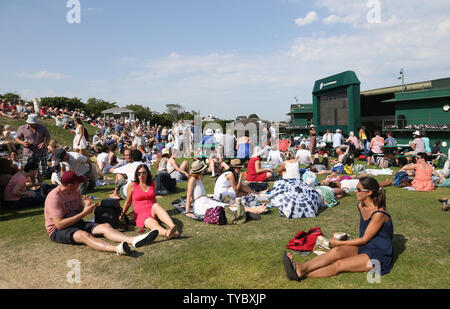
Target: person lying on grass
<point x="148" y="213"/>
<point x="372" y="249"/>
<point x="64" y="212"/>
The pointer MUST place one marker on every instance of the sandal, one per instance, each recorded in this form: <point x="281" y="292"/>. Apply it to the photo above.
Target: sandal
<point x="290" y="268"/>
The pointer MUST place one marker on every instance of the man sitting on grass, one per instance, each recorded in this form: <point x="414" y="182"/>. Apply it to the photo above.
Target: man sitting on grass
<point x="64" y="212"/>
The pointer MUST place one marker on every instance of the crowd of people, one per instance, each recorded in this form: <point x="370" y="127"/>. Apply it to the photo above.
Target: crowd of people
<point x="32" y="156"/>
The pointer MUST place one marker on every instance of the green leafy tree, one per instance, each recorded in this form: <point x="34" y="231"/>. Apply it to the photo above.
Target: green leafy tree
<point x="253" y="116"/>
<point x="11" y="97"/>
<point x="96" y="106"/>
<point x="61" y="102"/>
<point x="142" y="112"/>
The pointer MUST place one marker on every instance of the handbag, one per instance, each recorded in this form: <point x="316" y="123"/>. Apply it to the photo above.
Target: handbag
<point x="215" y="215"/>
<point x="304" y="241"/>
<point x="109" y="212"/>
<point x="236" y="217"/>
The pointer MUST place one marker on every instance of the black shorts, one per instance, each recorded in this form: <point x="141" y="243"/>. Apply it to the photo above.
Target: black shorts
<point x="65" y="236"/>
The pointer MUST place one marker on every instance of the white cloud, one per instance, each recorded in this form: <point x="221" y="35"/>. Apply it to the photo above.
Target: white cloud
<point x="310" y="18"/>
<point x="443" y="28"/>
<point x="44" y="75"/>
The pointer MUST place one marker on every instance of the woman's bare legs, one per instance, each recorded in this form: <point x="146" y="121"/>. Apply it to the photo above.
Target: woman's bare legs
<point x="337" y="260"/>
<point x="160" y="214"/>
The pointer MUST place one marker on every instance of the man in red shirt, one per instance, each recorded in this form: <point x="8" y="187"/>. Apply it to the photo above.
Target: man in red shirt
<point x="64" y="212"/>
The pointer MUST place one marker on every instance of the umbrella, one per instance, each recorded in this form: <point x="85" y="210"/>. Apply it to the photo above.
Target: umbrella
<point x="295" y="198"/>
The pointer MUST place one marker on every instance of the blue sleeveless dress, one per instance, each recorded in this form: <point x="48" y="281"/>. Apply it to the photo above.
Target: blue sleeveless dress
<point x="243" y="151"/>
<point x="380" y="246"/>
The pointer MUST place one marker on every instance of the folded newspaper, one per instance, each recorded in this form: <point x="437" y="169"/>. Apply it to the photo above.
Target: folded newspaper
<point x="323" y="244"/>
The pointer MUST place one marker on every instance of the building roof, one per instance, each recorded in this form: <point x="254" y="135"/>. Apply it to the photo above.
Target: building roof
<point x="420" y="95"/>
<point x="118" y="110"/>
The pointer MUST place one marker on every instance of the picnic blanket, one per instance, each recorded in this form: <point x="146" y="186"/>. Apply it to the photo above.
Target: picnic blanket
<point x="180" y="205"/>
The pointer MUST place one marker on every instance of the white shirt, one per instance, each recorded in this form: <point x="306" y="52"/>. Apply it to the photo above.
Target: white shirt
<point x="78" y="163"/>
<point x="103" y="158"/>
<point x="303" y="156"/>
<point x="337" y="140"/>
<point x="275" y="157"/>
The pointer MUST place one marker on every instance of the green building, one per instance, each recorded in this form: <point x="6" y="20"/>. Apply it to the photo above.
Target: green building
<point x="301" y="118"/>
<point x="338" y="103"/>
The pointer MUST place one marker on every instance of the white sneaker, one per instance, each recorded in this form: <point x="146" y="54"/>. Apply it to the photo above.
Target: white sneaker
<point x="145" y="239"/>
<point x="123" y="248"/>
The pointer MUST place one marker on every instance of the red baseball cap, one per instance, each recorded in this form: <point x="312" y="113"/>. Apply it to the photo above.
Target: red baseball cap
<point x="71" y="177"/>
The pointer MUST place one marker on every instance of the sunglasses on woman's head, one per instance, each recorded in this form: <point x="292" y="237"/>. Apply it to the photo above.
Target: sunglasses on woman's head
<point x="361" y="190"/>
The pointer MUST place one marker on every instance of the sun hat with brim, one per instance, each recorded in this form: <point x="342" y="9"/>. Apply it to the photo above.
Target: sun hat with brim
<point x="33" y="119"/>
<point x="165" y="151"/>
<point x="236" y="163"/>
<point x="416" y="133"/>
<point x="209" y="132"/>
<point x="257" y="151"/>
<point x="72" y="177"/>
<point x="197" y="167"/>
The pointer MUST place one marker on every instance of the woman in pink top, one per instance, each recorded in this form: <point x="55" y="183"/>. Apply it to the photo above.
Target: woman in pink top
<point x="147" y="213"/>
<point x="423" y="173"/>
<point x="17" y="194"/>
<point x="375" y="148"/>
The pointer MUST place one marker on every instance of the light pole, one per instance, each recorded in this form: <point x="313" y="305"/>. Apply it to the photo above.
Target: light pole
<point x="402" y="77"/>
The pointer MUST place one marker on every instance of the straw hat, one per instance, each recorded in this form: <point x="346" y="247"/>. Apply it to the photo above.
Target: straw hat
<point x="236" y="163"/>
<point x="197" y="167"/>
<point x="165" y="151"/>
<point x="209" y="131"/>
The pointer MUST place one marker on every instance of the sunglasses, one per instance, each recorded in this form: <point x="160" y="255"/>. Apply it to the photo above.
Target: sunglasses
<point x="141" y="173"/>
<point x="361" y="190"/>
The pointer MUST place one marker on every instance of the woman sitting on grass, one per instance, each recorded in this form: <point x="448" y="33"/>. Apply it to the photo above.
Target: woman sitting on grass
<point x="196" y="194"/>
<point x="147" y="213"/>
<point x="229" y="185"/>
<point x="254" y="171"/>
<point x="423" y="173"/>
<point x="356" y="255"/>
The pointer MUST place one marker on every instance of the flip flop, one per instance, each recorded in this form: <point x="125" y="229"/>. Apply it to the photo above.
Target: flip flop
<point x="289" y="268"/>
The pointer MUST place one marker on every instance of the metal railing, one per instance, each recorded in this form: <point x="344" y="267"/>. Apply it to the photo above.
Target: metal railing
<point x="412" y="124"/>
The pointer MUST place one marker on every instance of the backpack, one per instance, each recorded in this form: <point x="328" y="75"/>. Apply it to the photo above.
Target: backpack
<point x="382" y="162"/>
<point x="215" y="215"/>
<point x="109" y="212"/>
<point x="359" y="168"/>
<point x="349" y="159"/>
<point x="338" y="169"/>
<point x="304" y="241"/>
<point x="399" y="177"/>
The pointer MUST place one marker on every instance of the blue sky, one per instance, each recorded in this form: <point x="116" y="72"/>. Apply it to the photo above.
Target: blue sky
<point x="223" y="57"/>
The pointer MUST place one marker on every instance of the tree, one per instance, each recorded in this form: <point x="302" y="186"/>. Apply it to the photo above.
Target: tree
<point x="62" y="102"/>
<point x="141" y="112"/>
<point x="11" y="97"/>
<point x="96" y="106"/>
<point x="253" y="116"/>
<point x="174" y="112"/>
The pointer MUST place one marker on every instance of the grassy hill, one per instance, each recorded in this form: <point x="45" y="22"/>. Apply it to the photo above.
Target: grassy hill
<point x="244" y="256"/>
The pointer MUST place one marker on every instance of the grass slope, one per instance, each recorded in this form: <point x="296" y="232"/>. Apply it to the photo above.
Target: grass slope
<point x="245" y="256"/>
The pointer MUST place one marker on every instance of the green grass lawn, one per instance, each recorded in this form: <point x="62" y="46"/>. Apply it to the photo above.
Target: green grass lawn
<point x="244" y="256"/>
